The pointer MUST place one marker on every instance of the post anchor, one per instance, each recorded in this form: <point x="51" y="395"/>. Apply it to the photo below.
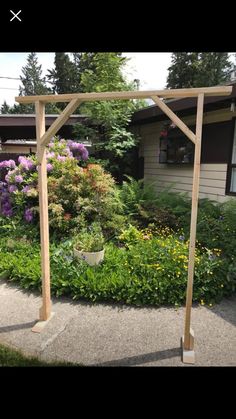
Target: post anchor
<point x="40" y="325"/>
<point x="188" y="354"/>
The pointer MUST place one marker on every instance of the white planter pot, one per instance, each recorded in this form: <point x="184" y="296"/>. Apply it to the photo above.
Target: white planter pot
<point x="92" y="258"/>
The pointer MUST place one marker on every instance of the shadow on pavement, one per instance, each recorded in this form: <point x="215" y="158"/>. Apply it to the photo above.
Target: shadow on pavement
<point x="141" y="359"/>
<point x="19" y="326"/>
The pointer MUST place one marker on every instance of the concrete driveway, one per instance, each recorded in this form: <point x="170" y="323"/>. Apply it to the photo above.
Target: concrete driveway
<point x="116" y="335"/>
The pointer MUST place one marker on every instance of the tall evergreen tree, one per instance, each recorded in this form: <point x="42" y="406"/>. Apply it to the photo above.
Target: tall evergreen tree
<point x="15" y="109"/>
<point x="32" y="84"/>
<point x="198" y="69"/>
<point x="65" y="76"/>
<point x="32" y="81"/>
<point x="214" y="68"/>
<point x="83" y="61"/>
<point x="5" y="108"/>
<point x="183" y="70"/>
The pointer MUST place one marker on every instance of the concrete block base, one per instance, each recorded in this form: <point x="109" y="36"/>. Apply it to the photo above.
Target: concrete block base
<point x="188" y="355"/>
<point x="40" y="325"/>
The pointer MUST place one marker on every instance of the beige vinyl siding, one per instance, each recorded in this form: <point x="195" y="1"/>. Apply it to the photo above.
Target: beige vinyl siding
<point x="18" y="149"/>
<point x="180" y="178"/>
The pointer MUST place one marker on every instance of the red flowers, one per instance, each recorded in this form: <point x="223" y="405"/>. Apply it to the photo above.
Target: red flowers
<point x="164" y="133"/>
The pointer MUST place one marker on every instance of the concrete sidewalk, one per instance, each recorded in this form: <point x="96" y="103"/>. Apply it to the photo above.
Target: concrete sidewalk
<point x="113" y="335"/>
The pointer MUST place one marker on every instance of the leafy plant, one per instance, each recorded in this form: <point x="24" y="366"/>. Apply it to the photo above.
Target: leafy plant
<point x="77" y="196"/>
<point x="151" y="271"/>
<point x="136" y="193"/>
<point x="130" y="235"/>
<point x="90" y="239"/>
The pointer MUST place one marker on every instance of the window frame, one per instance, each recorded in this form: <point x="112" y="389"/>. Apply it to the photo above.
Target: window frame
<point x="230" y="164"/>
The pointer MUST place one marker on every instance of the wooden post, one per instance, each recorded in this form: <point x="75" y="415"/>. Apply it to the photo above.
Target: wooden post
<point x="45" y="310"/>
<point x="188" y="341"/>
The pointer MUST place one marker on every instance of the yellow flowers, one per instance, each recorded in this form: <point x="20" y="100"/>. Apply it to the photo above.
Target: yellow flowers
<point x="202" y="302"/>
<point x="155" y="265"/>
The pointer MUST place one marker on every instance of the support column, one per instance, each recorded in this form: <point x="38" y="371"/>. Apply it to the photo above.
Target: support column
<point x="45" y="310"/>
<point x="188" y="339"/>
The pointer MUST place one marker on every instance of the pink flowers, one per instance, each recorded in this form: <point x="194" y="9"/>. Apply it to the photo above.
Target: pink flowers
<point x="26" y="189"/>
<point x="49" y="167"/>
<point x="12" y="188"/>
<point x="26" y="163"/>
<point x="8" y="164"/>
<point x="164" y="133"/>
<point x="78" y="149"/>
<point x="19" y="179"/>
<point x="28" y="215"/>
<point x="61" y="158"/>
<point x="18" y="193"/>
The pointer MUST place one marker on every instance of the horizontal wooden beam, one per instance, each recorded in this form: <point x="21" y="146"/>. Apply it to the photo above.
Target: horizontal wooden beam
<point x="59" y="122"/>
<point x="174" y="118"/>
<point x="167" y="93"/>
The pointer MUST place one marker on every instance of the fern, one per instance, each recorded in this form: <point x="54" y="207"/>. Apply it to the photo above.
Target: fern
<point x="135" y="194"/>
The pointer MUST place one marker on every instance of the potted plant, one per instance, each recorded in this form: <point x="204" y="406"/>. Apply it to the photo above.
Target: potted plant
<point x="89" y="245"/>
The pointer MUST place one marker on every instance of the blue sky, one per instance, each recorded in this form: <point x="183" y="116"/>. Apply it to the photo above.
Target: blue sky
<point x="149" y="68"/>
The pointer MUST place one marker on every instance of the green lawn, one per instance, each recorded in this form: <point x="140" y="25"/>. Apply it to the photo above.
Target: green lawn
<point x="12" y="358"/>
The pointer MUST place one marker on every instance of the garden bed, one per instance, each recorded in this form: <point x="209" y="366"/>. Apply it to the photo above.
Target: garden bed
<point x="145" y="234"/>
<point x="151" y="270"/>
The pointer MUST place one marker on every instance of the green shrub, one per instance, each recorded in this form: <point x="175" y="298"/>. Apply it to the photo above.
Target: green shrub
<point x="151" y="270"/>
<point x="20" y="261"/>
<point x="216" y="226"/>
<point x="145" y="206"/>
<point x="135" y="193"/>
<point x="229" y="213"/>
<point x="130" y="235"/>
<point x="77" y="196"/>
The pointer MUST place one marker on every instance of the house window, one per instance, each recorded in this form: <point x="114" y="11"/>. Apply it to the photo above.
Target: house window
<point x="232" y="167"/>
<point x="175" y="148"/>
<point x="216" y="142"/>
<point x="233" y="180"/>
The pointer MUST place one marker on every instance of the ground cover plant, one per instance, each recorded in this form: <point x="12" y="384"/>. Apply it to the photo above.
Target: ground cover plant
<point x="146" y="268"/>
<point x="11" y="358"/>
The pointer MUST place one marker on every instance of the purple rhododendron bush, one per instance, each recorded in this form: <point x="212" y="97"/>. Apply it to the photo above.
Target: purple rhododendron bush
<point x="78" y="193"/>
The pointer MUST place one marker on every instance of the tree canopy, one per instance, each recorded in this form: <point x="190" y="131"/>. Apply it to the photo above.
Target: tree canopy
<point x="198" y="69"/>
<point x="32" y="83"/>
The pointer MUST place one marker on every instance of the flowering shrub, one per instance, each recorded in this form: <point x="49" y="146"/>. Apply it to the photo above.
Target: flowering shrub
<point x="76" y="195"/>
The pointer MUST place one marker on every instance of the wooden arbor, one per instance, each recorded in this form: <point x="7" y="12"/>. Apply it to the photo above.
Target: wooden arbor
<point x="43" y="139"/>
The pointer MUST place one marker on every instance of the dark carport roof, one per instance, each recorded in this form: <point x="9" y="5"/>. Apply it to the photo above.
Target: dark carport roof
<point x="23" y="126"/>
<point x="182" y="107"/>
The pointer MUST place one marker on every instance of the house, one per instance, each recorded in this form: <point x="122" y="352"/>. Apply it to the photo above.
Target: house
<point x="168" y="154"/>
<point x="18" y="133"/>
